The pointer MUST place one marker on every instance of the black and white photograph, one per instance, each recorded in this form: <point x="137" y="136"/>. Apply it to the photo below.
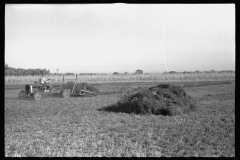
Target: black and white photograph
<point x="119" y="80"/>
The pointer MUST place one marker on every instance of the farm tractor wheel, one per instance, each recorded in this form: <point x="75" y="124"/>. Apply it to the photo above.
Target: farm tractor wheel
<point x="37" y="96"/>
<point x="21" y="94"/>
<point x="65" y="93"/>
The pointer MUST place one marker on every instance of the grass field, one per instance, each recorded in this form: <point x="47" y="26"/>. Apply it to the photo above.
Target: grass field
<point x="75" y="127"/>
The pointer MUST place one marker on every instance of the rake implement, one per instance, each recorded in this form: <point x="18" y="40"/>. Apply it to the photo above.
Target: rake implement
<point x="82" y="91"/>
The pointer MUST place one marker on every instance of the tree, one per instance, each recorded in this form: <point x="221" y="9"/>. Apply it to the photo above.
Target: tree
<point x="69" y="74"/>
<point x="6" y="66"/>
<point x="115" y="73"/>
<point x="139" y="71"/>
<point x="172" y="72"/>
<point x="212" y="71"/>
<point x="6" y="72"/>
<point x="197" y="71"/>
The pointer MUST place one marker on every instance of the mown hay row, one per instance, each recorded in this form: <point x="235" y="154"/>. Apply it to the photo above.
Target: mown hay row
<point x="163" y="99"/>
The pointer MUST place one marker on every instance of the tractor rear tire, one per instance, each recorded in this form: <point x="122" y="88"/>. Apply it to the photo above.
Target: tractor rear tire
<point x="65" y="93"/>
<point x="21" y="94"/>
<point x="37" y="96"/>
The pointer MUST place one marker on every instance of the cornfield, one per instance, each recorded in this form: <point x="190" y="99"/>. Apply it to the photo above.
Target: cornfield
<point x="154" y="77"/>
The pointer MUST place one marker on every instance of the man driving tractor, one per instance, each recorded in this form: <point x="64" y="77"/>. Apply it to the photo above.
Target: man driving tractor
<point x="43" y="81"/>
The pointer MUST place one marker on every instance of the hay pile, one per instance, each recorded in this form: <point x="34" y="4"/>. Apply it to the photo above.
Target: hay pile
<point x="79" y="86"/>
<point x="163" y="99"/>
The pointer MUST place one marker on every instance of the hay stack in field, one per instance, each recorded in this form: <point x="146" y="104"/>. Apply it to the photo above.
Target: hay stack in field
<point x="79" y="86"/>
<point x="163" y="99"/>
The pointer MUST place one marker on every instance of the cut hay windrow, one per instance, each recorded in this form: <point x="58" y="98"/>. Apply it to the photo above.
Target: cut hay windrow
<point x="163" y="99"/>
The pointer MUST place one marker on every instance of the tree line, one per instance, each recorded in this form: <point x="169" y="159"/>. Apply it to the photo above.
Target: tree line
<point x="24" y="72"/>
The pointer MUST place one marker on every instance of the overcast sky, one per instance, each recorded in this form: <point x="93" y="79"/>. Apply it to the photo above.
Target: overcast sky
<point x="107" y="38"/>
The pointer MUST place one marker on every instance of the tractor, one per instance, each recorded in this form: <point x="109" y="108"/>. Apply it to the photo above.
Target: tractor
<point x="37" y="90"/>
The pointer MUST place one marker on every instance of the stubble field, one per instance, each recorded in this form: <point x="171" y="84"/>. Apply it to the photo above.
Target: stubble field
<point x="75" y="127"/>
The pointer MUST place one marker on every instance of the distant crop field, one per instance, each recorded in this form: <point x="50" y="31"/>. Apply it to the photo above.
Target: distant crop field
<point x="125" y="78"/>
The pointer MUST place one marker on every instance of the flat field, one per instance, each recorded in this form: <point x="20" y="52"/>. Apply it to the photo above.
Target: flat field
<point x="75" y="127"/>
